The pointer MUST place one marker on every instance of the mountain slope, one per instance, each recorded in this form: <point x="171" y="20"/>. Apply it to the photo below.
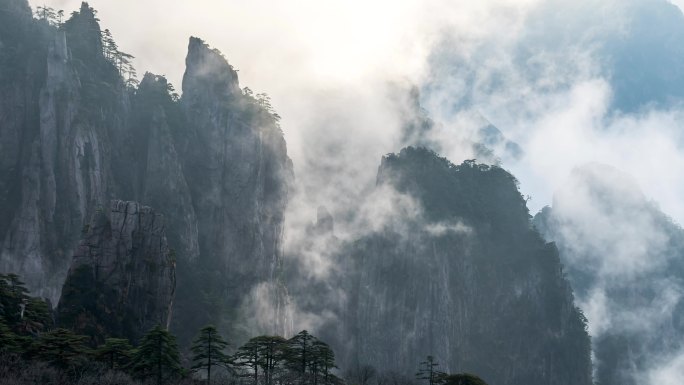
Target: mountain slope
<point x="74" y="134"/>
<point x="467" y="281"/>
<point x="625" y="259"/>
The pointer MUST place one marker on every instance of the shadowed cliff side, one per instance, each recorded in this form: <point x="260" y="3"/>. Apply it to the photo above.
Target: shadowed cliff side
<point x="468" y="281"/>
<point x="123" y="276"/>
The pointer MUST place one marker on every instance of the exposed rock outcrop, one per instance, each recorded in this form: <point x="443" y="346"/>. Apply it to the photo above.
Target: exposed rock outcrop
<point x="467" y="281"/>
<point x="122" y="279"/>
<point x="74" y="135"/>
<point x="236" y="165"/>
<point x="58" y="161"/>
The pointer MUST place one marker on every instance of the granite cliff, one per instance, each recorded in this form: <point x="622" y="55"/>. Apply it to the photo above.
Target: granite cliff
<point x="122" y="279"/>
<point x="75" y="134"/>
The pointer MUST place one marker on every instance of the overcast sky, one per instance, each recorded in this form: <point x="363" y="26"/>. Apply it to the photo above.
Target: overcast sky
<point x="324" y="63"/>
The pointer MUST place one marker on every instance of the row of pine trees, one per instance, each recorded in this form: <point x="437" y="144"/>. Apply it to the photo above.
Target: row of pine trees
<point x="27" y="331"/>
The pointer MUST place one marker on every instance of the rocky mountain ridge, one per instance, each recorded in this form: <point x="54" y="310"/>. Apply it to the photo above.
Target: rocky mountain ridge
<point x="75" y="135"/>
<point x="451" y="282"/>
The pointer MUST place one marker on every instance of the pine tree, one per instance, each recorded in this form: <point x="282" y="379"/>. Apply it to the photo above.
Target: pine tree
<point x="323" y="361"/>
<point x="9" y="342"/>
<point x="13" y="299"/>
<point x="157" y="356"/>
<point x="208" y="351"/>
<point x="36" y="317"/>
<point x="248" y="356"/>
<point x="299" y="350"/>
<point x="428" y="372"/>
<point x="115" y="352"/>
<point x="61" y="348"/>
<point x="271" y="353"/>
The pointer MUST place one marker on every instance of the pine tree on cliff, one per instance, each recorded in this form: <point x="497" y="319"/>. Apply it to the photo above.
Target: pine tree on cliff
<point x="208" y="351"/>
<point x="157" y="356"/>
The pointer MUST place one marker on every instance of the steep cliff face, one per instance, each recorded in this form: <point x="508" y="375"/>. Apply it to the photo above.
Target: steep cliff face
<point x="467" y="281"/>
<point x="122" y="281"/>
<point x="74" y="134"/>
<point x="625" y="259"/>
<point x="158" y="176"/>
<point x="239" y="174"/>
<point x="59" y="132"/>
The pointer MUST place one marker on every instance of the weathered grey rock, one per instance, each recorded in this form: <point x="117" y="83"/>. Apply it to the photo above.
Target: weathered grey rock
<point x="59" y="165"/>
<point x="467" y="281"/>
<point x="157" y="177"/>
<point x="239" y="174"/>
<point x="122" y="280"/>
<point x="73" y="136"/>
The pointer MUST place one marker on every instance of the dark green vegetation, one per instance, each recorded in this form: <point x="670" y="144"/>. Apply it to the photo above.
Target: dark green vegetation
<point x="31" y="346"/>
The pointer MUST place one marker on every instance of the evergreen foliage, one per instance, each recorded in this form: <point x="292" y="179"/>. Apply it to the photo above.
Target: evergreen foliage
<point x="208" y="351"/>
<point x="303" y="359"/>
<point x="157" y="356"/>
<point x="9" y="342"/>
<point x="115" y="352"/>
<point x="61" y="348"/>
<point x="13" y="299"/>
<point x="247" y="357"/>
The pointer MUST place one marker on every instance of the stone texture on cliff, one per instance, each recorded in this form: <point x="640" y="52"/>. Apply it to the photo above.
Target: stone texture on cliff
<point x="73" y="136"/>
<point x="121" y="281"/>
<point x="468" y="281"/>
<point x="59" y="133"/>
<point x="236" y="162"/>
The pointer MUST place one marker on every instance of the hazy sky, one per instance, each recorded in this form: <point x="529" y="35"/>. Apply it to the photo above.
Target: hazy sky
<point x="326" y="63"/>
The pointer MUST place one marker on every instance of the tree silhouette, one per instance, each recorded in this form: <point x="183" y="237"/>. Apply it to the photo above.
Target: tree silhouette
<point x="427" y="371"/>
<point x="323" y="361"/>
<point x="208" y="351"/>
<point x="271" y="353"/>
<point x="157" y="356"/>
<point x="248" y="356"/>
<point x="46" y="14"/>
<point x="299" y="352"/>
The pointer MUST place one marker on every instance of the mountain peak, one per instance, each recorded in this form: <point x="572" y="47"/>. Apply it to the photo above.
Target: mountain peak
<point x="208" y="71"/>
<point x="84" y="33"/>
